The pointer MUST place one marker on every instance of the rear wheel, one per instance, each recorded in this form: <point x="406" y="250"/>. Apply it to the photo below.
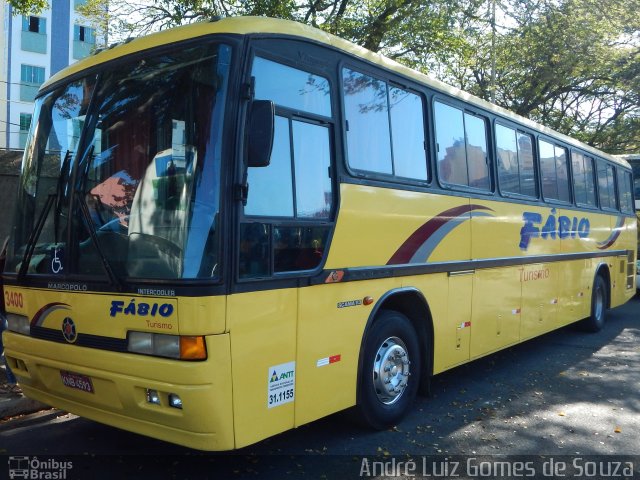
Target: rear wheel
<point x="390" y="370"/>
<point x="599" y="295"/>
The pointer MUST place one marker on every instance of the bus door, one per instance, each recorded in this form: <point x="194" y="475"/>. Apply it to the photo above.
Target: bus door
<point x="283" y="232"/>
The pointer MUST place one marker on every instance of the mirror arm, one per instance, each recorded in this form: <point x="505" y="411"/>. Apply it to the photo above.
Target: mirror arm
<point x="241" y="193"/>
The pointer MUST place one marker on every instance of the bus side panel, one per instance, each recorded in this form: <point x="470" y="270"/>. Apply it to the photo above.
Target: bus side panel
<point x="202" y="315"/>
<point x="574" y="291"/>
<point x="509" y="230"/>
<point x="449" y="299"/>
<point x="503" y="306"/>
<point x="539" y="298"/>
<point x="604" y="233"/>
<point x="625" y="266"/>
<point x="577" y="276"/>
<point x="262" y="327"/>
<point x="331" y="325"/>
<point x="495" y="321"/>
<point x="375" y="223"/>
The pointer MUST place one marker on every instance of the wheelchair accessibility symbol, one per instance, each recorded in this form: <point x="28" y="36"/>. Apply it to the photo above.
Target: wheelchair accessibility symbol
<point x="56" y="263"/>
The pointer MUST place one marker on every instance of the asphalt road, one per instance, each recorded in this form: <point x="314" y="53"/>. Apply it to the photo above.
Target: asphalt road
<point x="565" y="393"/>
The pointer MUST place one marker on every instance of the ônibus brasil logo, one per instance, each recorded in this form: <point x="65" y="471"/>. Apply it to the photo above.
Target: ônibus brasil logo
<point x="37" y="469"/>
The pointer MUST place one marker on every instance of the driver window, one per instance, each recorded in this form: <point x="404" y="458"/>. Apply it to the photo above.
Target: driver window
<point x="289" y="202"/>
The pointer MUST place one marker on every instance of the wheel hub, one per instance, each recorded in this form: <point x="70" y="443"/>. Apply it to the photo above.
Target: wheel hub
<point x="391" y="370"/>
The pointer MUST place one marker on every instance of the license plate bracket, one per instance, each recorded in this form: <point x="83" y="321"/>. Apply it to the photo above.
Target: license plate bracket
<point x="77" y="381"/>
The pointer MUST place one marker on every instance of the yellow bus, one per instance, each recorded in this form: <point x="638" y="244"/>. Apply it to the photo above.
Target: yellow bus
<point x="234" y="228"/>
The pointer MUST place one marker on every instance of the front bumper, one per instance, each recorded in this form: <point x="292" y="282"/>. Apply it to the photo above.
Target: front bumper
<point x="120" y="382"/>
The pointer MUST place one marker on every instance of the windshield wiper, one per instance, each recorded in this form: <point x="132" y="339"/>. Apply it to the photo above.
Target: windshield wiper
<point x="59" y="191"/>
<point x="33" y="238"/>
<point x="113" y="278"/>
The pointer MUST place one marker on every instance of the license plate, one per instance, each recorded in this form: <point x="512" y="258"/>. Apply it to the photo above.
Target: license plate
<point x="75" y="380"/>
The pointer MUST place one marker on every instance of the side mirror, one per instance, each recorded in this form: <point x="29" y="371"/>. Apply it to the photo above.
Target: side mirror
<point x="260" y="133"/>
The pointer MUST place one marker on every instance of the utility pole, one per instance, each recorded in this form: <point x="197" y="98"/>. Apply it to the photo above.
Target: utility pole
<point x="492" y="87"/>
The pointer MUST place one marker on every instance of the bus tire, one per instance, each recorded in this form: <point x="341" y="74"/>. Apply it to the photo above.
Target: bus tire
<point x="390" y="373"/>
<point x="599" y="294"/>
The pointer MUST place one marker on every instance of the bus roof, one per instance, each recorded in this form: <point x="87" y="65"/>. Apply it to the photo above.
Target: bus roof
<point x="631" y="157"/>
<point x="263" y="25"/>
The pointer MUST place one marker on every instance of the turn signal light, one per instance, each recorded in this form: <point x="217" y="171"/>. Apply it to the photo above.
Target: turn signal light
<point x="192" y="348"/>
<point x="169" y="346"/>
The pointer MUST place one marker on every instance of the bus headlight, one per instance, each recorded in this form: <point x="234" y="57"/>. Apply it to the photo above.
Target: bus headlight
<point x="18" y="324"/>
<point x="169" y="346"/>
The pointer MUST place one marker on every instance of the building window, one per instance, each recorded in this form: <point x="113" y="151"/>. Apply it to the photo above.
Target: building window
<point x="84" y="40"/>
<point x="30" y="80"/>
<point x="31" y="74"/>
<point x="25" y="123"/>
<point x="84" y="34"/>
<point x="34" y="34"/>
<point x="34" y="24"/>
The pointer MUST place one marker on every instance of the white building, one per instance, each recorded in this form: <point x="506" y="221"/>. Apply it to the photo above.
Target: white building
<point x="32" y="48"/>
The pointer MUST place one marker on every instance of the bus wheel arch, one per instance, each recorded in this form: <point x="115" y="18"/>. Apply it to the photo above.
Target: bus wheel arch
<point x="406" y="312"/>
<point x="603" y="271"/>
<point x="600" y="300"/>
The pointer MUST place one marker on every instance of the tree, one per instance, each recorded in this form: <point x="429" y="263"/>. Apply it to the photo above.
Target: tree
<point x="404" y="29"/>
<point x="568" y="64"/>
<point x="27" y="7"/>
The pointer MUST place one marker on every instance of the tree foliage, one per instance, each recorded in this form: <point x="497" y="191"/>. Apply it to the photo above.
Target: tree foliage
<point x="28" y="7"/>
<point x="570" y="64"/>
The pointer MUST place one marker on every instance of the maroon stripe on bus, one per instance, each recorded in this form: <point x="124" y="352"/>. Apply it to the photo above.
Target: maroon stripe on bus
<point x="422" y="234"/>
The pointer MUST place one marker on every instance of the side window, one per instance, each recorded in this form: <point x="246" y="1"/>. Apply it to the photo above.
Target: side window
<point x="554" y="171"/>
<point x="583" y="183"/>
<point x="272" y="187"/>
<point x="452" y="155"/>
<point x="462" y="147"/>
<point x="289" y="202"/>
<point x="624" y="190"/>
<point x="606" y="186"/>
<point x="562" y="168"/>
<point x="273" y="191"/>
<point x="385" y="127"/>
<point x="291" y="88"/>
<point x="636" y="179"/>
<point x="367" y="115"/>
<point x="407" y="134"/>
<point x="516" y="172"/>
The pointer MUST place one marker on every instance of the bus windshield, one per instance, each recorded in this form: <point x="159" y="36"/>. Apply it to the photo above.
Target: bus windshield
<point x="121" y="173"/>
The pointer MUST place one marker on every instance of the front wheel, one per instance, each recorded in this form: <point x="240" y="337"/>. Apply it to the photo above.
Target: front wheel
<point x="595" y="321"/>
<point x="390" y="370"/>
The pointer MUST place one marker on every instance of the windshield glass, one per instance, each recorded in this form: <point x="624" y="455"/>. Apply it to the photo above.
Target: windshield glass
<point x="121" y="174"/>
